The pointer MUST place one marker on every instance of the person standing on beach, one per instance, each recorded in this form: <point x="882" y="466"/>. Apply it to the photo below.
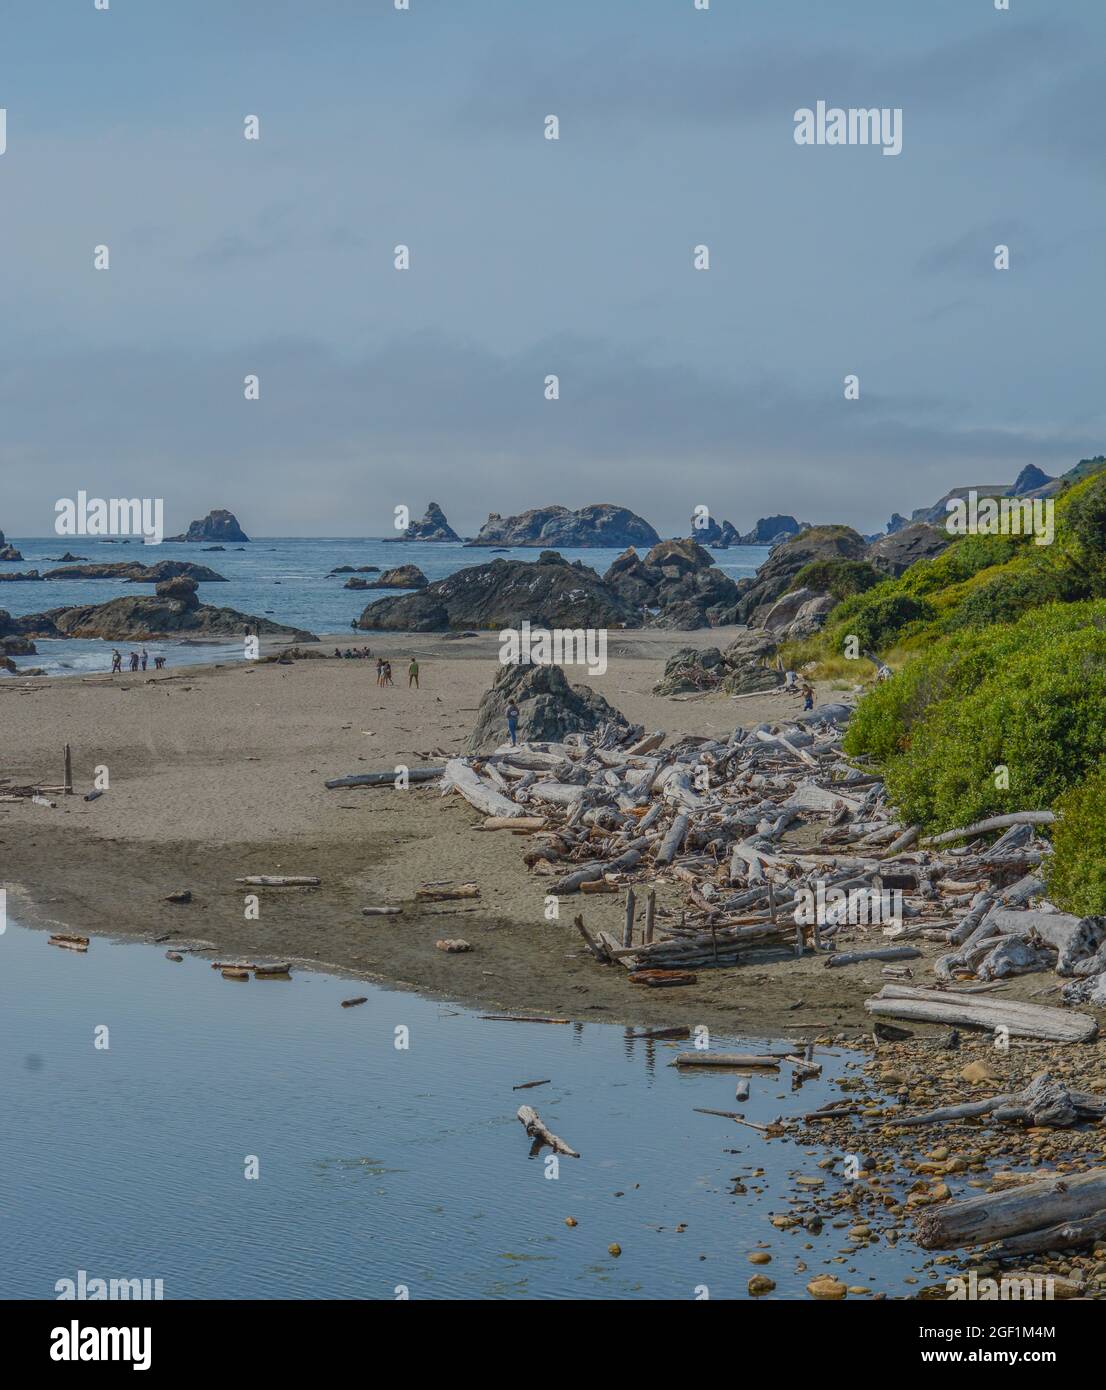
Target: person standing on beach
<point x="116" y="662"/>
<point x="134" y="661"/>
<point x="380" y="670"/>
<point x="387" y="680"/>
<point x="808" y="696"/>
<point x="512" y="722"/>
<point x="145" y="657"/>
<point x="413" y="674"/>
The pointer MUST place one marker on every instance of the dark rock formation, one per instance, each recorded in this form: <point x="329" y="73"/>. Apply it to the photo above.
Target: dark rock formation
<point x="895" y="553"/>
<point x="680" y="581"/>
<point x="775" y="576"/>
<point x="354" y="569"/>
<point x="9" y="552"/>
<point x="896" y="523"/>
<point x="68" y="559"/>
<point x="433" y="527"/>
<point x="747" y="664"/>
<point x="18" y="646"/>
<point x="1030" y="479"/>
<point x="143" y="619"/>
<point x="549" y="708"/>
<point x="218" y="525"/>
<point x="598" y="525"/>
<point x="19" y="575"/>
<point x="135" y="573"/>
<point x="713" y="534"/>
<point x="552" y="593"/>
<point x="770" y="529"/>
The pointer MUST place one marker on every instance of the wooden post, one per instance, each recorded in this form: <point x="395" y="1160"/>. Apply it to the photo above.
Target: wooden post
<point x="68" y="778"/>
<point x="650" y="913"/>
<point x="628" y="927"/>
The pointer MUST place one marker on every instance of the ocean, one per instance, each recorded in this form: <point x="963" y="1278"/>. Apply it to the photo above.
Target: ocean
<point x="286" y="579"/>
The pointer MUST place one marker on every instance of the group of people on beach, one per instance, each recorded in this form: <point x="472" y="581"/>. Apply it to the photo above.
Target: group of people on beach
<point x="806" y="690"/>
<point x="135" y="660"/>
<point x="353" y="653"/>
<point x="384" y="673"/>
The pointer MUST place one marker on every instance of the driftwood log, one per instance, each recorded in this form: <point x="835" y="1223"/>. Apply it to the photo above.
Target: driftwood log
<point x="1045" y="1101"/>
<point x="982" y="1011"/>
<point x="1001" y="1215"/>
<point x="543" y="1138"/>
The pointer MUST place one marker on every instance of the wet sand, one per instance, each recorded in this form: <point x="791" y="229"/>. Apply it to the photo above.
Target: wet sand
<point x="217" y="772"/>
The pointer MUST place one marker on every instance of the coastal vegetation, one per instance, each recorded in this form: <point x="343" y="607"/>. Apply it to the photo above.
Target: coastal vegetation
<point x="998" y="648"/>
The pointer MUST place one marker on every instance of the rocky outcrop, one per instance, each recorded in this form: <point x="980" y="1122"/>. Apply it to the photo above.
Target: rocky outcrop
<point x="770" y="530"/>
<point x="775" y="576"/>
<point x="173" y="612"/>
<point x="219" y="525"/>
<point x="503" y="593"/>
<point x="9" y="552"/>
<point x="751" y="663"/>
<point x="747" y="664"/>
<point x="895" y="553"/>
<point x="433" y="527"/>
<point x="938" y="513"/>
<point x="598" y="525"/>
<point x="18" y="646"/>
<point x="402" y="577"/>
<point x="549" y="708"/>
<point x="677" y="585"/>
<point x="354" y="569"/>
<point x="897" y="522"/>
<point x="9" y="577"/>
<point x="717" y="536"/>
<point x="135" y="573"/>
<point x="1031" y="479"/>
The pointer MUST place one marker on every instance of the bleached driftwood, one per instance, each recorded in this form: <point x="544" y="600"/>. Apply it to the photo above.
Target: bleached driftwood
<point x="1020" y="1020"/>
<point x="459" y="777"/>
<point x="542" y="1137"/>
<point x="1001" y="1215"/>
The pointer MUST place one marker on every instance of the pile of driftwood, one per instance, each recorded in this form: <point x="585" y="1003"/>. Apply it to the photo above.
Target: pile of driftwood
<point x="610" y="813"/>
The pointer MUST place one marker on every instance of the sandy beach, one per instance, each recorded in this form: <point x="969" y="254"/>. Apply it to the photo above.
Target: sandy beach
<point x="217" y="772"/>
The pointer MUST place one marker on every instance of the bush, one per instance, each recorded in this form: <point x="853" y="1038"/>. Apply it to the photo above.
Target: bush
<point x="1028" y="697"/>
<point x="839" y="578"/>
<point x="879" y="615"/>
<point x="1076" y="872"/>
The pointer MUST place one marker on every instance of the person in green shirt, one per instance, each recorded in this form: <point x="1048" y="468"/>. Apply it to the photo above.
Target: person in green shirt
<point x="413" y="674"/>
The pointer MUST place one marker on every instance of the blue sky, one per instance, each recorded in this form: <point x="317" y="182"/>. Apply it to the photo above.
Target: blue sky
<point x="530" y="257"/>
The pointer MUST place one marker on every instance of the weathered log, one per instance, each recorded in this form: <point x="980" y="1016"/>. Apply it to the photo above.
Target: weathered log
<point x="381" y="911"/>
<point x="445" y="895"/>
<point x="460" y="777"/>
<point x="1020" y="1020"/>
<point x="888" y="953"/>
<point x="280" y="880"/>
<point x="1065" y="1236"/>
<point x="992" y="823"/>
<point x="729" y="1059"/>
<point x="515" y="823"/>
<point x="386" y="779"/>
<point x="673" y="839"/>
<point x="1000" y="1215"/>
<point x="542" y="1137"/>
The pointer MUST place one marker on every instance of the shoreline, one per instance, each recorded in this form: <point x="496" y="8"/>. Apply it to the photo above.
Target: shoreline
<point x="217" y="772"/>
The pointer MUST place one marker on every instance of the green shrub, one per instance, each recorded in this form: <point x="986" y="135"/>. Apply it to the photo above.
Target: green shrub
<point x="879" y="615"/>
<point x="1077" y="869"/>
<point x="839" y="578"/>
<point x="1028" y="697"/>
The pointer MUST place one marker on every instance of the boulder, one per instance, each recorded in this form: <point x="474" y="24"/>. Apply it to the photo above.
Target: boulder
<point x="786" y="608"/>
<point x="9" y="552"/>
<point x="181" y="589"/>
<point x="218" y="525"/>
<point x="776" y="575"/>
<point x="691" y="668"/>
<point x="811" y="617"/>
<point x="402" y="577"/>
<point x="433" y="527"/>
<point x="503" y="593"/>
<point x="600" y="524"/>
<point x="17" y="646"/>
<point x="19" y="575"/>
<point x="893" y="554"/>
<point x="751" y="663"/>
<point x="549" y="708"/>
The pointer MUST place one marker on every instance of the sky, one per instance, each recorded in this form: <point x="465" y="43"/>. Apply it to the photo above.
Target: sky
<point x="530" y="257"/>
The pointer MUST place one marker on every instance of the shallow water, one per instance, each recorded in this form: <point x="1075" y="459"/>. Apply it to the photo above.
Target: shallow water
<point x="379" y="1167"/>
<point x="286" y="580"/>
